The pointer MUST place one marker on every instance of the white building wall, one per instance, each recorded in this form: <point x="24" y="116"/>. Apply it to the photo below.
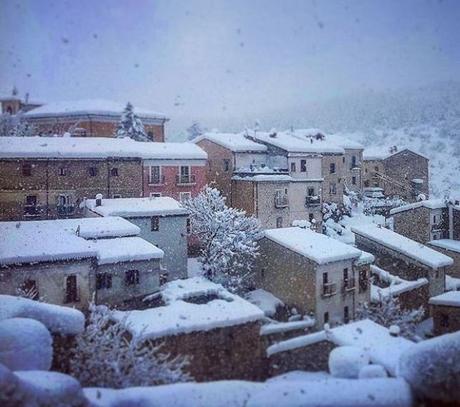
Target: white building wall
<point x="313" y="164"/>
<point x="244" y="160"/>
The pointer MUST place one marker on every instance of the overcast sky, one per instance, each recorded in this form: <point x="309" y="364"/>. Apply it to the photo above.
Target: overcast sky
<point x="217" y="60"/>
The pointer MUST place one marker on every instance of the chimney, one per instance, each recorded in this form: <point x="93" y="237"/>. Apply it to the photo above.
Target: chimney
<point x="27" y="98"/>
<point x="99" y="200"/>
<point x="394" y="330"/>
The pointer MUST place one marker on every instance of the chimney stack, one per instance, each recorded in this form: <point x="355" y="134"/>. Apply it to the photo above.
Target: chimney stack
<point x="99" y="200"/>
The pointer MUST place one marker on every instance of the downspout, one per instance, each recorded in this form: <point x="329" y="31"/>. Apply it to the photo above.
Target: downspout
<point x="47" y="189"/>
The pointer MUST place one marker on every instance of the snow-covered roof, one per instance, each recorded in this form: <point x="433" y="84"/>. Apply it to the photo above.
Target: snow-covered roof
<point x="137" y="207"/>
<point x="65" y="239"/>
<point x="403" y="245"/>
<point x="180" y="315"/>
<point x="448" y="244"/>
<point x="429" y="203"/>
<point x="315" y="246"/>
<point x="265" y="300"/>
<point x="124" y="249"/>
<point x="96" y="147"/>
<point x="365" y="258"/>
<point x="236" y="142"/>
<point x="396" y="285"/>
<point x="383" y="152"/>
<point x="383" y="348"/>
<point x="448" y="299"/>
<point x="58" y="319"/>
<point x="300" y="141"/>
<point x="89" y="106"/>
<point x="263" y="177"/>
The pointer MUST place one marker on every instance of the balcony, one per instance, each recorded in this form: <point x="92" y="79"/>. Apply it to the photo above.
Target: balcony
<point x="65" y="210"/>
<point x="329" y="289"/>
<point x="157" y="180"/>
<point x="349" y="285"/>
<point x="312" y="200"/>
<point x="281" y="201"/>
<point x="32" y="210"/>
<point x="185" y="179"/>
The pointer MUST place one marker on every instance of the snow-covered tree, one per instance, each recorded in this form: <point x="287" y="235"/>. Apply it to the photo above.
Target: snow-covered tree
<point x="15" y="126"/>
<point x="388" y="312"/>
<point x="104" y="357"/>
<point x="194" y="131"/>
<point x="131" y="126"/>
<point x="228" y="239"/>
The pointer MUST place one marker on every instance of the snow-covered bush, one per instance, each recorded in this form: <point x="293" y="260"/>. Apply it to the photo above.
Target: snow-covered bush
<point x="372" y="372"/>
<point x="25" y="344"/>
<point x="15" y="126"/>
<point x="131" y="126"/>
<point x="228" y="239"/>
<point x="104" y="356"/>
<point x="347" y="361"/>
<point x="432" y="368"/>
<point x="388" y="312"/>
<point x="334" y="211"/>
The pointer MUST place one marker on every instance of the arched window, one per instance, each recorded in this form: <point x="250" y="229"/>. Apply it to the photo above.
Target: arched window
<point x="9" y="110"/>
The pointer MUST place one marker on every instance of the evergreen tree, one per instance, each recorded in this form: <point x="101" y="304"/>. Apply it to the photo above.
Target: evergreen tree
<point x="131" y="126"/>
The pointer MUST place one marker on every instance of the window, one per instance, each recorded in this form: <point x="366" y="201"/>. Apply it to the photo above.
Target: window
<point x="262" y="274"/>
<point x="325" y="278"/>
<point x="30" y="205"/>
<point x="184" y="196"/>
<point x="332" y="168"/>
<point x="30" y="290"/>
<point x="303" y="165"/>
<point x="64" y="204"/>
<point x="366" y="184"/>
<point x="184" y="176"/>
<point x="26" y="170"/>
<point x="353" y="180"/>
<point x="293" y="169"/>
<point x="311" y="191"/>
<point x="155" y="194"/>
<point x="9" y="110"/>
<point x="434" y="219"/>
<point x="71" y="294"/>
<point x="376" y="169"/>
<point x="116" y="196"/>
<point x="62" y="171"/>
<point x="346" y="315"/>
<point x="31" y="200"/>
<point x="345" y="277"/>
<point x="226" y="165"/>
<point x="103" y="281"/>
<point x="155" y="223"/>
<point x="362" y="280"/>
<point x="326" y="317"/>
<point x="279" y="222"/>
<point x="444" y="320"/>
<point x="132" y="277"/>
<point x="343" y="159"/>
<point x="92" y="171"/>
<point x="311" y="217"/>
<point x="114" y="172"/>
<point x="333" y="189"/>
<point x="353" y="161"/>
<point x="188" y="226"/>
<point x="150" y="135"/>
<point x="163" y="278"/>
<point x="155" y="174"/>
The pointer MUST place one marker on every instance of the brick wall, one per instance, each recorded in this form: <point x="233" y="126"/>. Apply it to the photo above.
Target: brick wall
<point x="92" y="127"/>
<point x="404" y="224"/>
<point x="46" y="183"/>
<point x="445" y="319"/>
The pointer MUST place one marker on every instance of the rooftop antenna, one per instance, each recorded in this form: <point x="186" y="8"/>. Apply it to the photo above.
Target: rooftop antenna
<point x="14" y="92"/>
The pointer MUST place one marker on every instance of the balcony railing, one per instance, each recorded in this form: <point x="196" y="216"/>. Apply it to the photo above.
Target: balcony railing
<point x="157" y="180"/>
<point x="349" y="285"/>
<point x="185" y="179"/>
<point x="32" y="210"/>
<point x="329" y="289"/>
<point x="64" y="210"/>
<point x="312" y="200"/>
<point x="281" y="201"/>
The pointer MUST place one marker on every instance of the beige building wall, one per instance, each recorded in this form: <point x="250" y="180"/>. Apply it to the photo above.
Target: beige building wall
<point x="298" y="208"/>
<point x="313" y="166"/>
<point x="352" y="172"/>
<point x="333" y="185"/>
<point x="369" y="178"/>
<point x="268" y="214"/>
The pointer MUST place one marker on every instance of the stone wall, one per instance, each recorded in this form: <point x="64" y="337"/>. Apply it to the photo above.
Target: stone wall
<point x="405" y="222"/>
<point x="312" y="358"/>
<point x="445" y="319"/>
<point x="46" y="183"/>
<point x="231" y="353"/>
<point x="415" y="298"/>
<point x="353" y="173"/>
<point x="456" y="223"/>
<point x="370" y="168"/>
<point x="454" y="270"/>
<point x="338" y="177"/>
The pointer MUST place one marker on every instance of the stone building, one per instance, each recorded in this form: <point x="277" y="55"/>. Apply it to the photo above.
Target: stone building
<point x="437" y="223"/>
<point x="445" y="310"/>
<point x="91" y="118"/>
<point x="14" y="104"/>
<point x="162" y="221"/>
<point x="47" y="178"/>
<point x="403" y="257"/>
<point x="74" y="261"/>
<point x="319" y="276"/>
<point x="218" y="331"/>
<point x="403" y="173"/>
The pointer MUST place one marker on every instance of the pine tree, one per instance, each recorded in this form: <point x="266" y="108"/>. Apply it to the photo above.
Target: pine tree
<point x="131" y="126"/>
<point x="228" y="239"/>
<point x="104" y="357"/>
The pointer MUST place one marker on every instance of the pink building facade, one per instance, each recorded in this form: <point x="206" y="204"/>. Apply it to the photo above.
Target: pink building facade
<point x="178" y="179"/>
